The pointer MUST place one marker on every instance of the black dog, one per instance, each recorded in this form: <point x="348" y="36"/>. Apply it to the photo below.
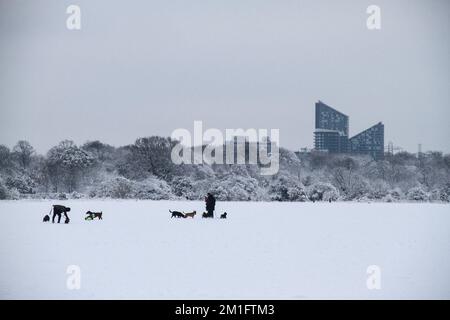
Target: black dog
<point x="223" y="215"/>
<point x="176" y="214"/>
<point x="46" y="218"/>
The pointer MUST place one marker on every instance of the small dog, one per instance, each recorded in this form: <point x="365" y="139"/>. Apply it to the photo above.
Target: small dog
<point x="46" y="218"/>
<point x="223" y="215"/>
<point x="177" y="214"/>
<point x="67" y="221"/>
<point x="92" y="215"/>
<point x="190" y="214"/>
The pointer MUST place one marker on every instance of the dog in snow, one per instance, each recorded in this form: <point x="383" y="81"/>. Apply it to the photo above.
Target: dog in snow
<point x="92" y="215"/>
<point x="177" y="214"/>
<point x="190" y="214"/>
<point x="223" y="215"/>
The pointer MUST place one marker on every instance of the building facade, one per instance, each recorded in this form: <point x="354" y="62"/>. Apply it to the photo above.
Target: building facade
<point x="331" y="133"/>
<point x="370" y="142"/>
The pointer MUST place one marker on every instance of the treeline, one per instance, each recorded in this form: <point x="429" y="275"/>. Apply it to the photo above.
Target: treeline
<point x="144" y="170"/>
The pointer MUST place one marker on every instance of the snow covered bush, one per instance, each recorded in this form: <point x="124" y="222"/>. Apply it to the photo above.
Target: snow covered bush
<point x="322" y="192"/>
<point x="62" y="196"/>
<point x="20" y="182"/>
<point x="76" y="195"/>
<point x="152" y="189"/>
<point x="393" y="195"/>
<point x="445" y="193"/>
<point x="219" y="191"/>
<point x="417" y="194"/>
<point x="14" y="194"/>
<point x="235" y="188"/>
<point x="378" y="190"/>
<point x="396" y="194"/>
<point x="116" y="188"/>
<point x="182" y="186"/>
<point x="297" y="193"/>
<point x="440" y="194"/>
<point x="285" y="188"/>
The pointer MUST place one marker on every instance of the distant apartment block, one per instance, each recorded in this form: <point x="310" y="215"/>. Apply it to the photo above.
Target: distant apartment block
<point x="370" y="141"/>
<point x="332" y="134"/>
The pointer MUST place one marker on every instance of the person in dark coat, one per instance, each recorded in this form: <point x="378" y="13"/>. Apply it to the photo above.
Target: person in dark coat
<point x="57" y="210"/>
<point x="210" y="204"/>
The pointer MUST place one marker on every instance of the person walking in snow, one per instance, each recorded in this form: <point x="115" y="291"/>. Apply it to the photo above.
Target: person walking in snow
<point x="210" y="204"/>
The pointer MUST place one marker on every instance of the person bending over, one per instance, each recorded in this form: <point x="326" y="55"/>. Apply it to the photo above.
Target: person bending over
<point x="57" y="210"/>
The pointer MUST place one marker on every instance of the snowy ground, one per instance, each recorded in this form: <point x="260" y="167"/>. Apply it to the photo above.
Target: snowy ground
<point x="264" y="250"/>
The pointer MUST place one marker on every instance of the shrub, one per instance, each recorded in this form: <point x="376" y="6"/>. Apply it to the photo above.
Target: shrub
<point x="117" y="188"/>
<point x="322" y="192"/>
<point x="22" y="183"/>
<point x="152" y="189"/>
<point x="122" y="188"/>
<point x="417" y="194"/>
<point x="396" y="194"/>
<point x="62" y="196"/>
<point x="235" y="188"/>
<point x="285" y="188"/>
<point x="388" y="198"/>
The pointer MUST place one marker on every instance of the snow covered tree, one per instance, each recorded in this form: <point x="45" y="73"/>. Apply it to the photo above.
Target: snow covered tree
<point x="149" y="156"/>
<point x="22" y="152"/>
<point x="103" y="152"/>
<point x="20" y="182"/>
<point x="182" y="186"/>
<point x="347" y="177"/>
<point x="66" y="165"/>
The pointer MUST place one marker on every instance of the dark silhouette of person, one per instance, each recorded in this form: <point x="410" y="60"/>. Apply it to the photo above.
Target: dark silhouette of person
<point x="210" y="204"/>
<point x="57" y="210"/>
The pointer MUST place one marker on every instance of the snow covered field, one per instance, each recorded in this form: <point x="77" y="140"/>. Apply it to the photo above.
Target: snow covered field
<point x="264" y="250"/>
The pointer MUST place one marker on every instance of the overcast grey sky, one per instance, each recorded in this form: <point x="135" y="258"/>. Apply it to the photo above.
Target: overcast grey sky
<point x="140" y="68"/>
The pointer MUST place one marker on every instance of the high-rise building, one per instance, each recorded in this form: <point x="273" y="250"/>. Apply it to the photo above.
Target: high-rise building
<point x="331" y="133"/>
<point x="370" y="142"/>
<point x="332" y="129"/>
